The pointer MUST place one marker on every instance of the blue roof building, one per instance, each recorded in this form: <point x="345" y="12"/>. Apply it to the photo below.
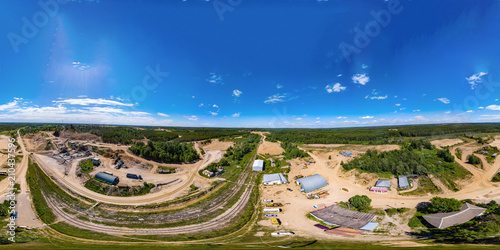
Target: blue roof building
<point x="383" y="183"/>
<point x="111" y="179"/>
<point x="310" y="183"/>
<point x="403" y="181"/>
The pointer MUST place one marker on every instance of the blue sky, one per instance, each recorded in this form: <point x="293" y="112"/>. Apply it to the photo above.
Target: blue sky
<point x="250" y="63"/>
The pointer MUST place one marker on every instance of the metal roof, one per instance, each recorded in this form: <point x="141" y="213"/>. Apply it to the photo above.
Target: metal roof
<point x="370" y="226"/>
<point x="111" y="179"/>
<point x="444" y="220"/>
<point x="274" y="177"/>
<point x="335" y="215"/>
<point x="312" y="182"/>
<point x="403" y="181"/>
<point x="383" y="183"/>
<point x="258" y="165"/>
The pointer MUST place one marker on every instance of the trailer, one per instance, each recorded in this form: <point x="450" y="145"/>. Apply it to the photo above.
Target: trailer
<point x="282" y="233"/>
<point x="134" y="176"/>
<point x="267" y="201"/>
<point x="272" y="210"/>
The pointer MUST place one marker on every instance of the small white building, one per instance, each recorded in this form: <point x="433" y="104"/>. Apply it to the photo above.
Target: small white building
<point x="258" y="165"/>
<point x="96" y="161"/>
<point x="274" y="179"/>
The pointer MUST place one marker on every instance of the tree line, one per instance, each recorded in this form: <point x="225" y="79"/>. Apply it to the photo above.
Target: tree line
<point x="165" y="151"/>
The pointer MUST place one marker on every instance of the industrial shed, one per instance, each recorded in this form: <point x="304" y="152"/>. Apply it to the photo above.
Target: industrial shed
<point x="403" y="181"/>
<point x="258" y="165"/>
<point x="310" y="183"/>
<point x="274" y="179"/>
<point x="383" y="183"/>
<point x="343" y="217"/>
<point x="111" y="179"/>
<point x="444" y="220"/>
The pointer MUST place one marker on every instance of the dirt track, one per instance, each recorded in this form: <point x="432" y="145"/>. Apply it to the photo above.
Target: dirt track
<point x="152" y="198"/>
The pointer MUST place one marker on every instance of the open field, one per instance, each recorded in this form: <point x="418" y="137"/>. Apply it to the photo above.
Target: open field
<point x="272" y="148"/>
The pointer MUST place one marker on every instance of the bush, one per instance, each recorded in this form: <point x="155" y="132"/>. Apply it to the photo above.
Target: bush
<point x="86" y="165"/>
<point x="442" y="205"/>
<point x="496" y="178"/>
<point x="474" y="160"/>
<point x="360" y="202"/>
<point x="393" y="211"/>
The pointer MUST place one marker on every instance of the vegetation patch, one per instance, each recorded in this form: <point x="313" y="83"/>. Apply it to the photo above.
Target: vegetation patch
<point x="425" y="186"/>
<point x="393" y="211"/>
<point x="490" y="152"/>
<point x="105" y="188"/>
<point x="165" y="151"/>
<point x="86" y="165"/>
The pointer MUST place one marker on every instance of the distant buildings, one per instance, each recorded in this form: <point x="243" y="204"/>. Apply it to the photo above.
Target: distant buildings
<point x="310" y="183"/>
<point x="96" y="161"/>
<point x="274" y="179"/>
<point x="346" y="154"/>
<point x="258" y="165"/>
<point x="212" y="174"/>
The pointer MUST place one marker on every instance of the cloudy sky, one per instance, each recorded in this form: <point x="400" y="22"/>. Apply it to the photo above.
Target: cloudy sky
<point x="250" y="63"/>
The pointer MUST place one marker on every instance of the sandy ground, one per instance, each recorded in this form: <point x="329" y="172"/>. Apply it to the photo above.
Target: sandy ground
<point x="445" y="142"/>
<point x="272" y="148"/>
<point x="218" y="145"/>
<point x="4" y="143"/>
<point x="296" y="205"/>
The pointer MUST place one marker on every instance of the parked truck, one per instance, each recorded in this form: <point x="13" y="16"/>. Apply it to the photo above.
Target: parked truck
<point x="272" y="210"/>
<point x="134" y="176"/>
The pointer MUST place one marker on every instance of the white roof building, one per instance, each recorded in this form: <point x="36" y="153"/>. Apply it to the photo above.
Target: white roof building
<point x="258" y="165"/>
<point x="274" y="179"/>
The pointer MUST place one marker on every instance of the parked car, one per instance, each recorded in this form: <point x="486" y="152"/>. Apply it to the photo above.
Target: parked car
<point x="271" y="215"/>
<point x="315" y="206"/>
<point x="289" y="189"/>
<point x="321" y="226"/>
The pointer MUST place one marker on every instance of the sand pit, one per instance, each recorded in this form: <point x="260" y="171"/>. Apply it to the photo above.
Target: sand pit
<point x="445" y="142"/>
<point x="4" y="142"/>
<point x="218" y="145"/>
<point x="272" y="148"/>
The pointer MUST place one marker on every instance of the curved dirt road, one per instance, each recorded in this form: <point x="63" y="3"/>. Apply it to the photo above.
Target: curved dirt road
<point x="159" y="197"/>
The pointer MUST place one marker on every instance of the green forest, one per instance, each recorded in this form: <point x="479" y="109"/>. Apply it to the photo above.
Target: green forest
<point x="292" y="151"/>
<point x="165" y="151"/>
<point x="416" y="157"/>
<point x="377" y="135"/>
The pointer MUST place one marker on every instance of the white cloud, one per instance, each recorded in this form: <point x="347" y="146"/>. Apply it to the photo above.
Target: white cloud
<point x="475" y="79"/>
<point x="236" y="115"/>
<point x="444" y="100"/>
<point x="376" y="97"/>
<point x="213" y="113"/>
<point x="192" y="118"/>
<point x="397" y="104"/>
<point x="193" y="96"/>
<point x="416" y="110"/>
<point x="493" y="107"/>
<point x="275" y="98"/>
<point x="419" y="118"/>
<point x="162" y="114"/>
<point x="214" y="78"/>
<point x="341" y="117"/>
<point x="339" y="75"/>
<point x="80" y="66"/>
<point x="237" y="93"/>
<point x="298" y="118"/>
<point x="480" y="108"/>
<point x="88" y="101"/>
<point x="201" y="105"/>
<point x="367" y="117"/>
<point x="84" y="96"/>
<point x="469" y="111"/>
<point x="337" y="87"/>
<point x="360" y="78"/>
<point x="279" y="86"/>
<point x="317" y="118"/>
<point x="447" y="112"/>
<point x="364" y="66"/>
<point x="215" y="106"/>
<point x="496" y="100"/>
<point x="9" y="105"/>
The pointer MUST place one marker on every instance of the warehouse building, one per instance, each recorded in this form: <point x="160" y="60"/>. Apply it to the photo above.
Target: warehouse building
<point x="310" y="183"/>
<point x="383" y="184"/>
<point x="111" y="179"/>
<point x="403" y="182"/>
<point x="274" y="179"/>
<point x="258" y="165"/>
<point x="444" y="220"/>
<point x="346" y="218"/>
